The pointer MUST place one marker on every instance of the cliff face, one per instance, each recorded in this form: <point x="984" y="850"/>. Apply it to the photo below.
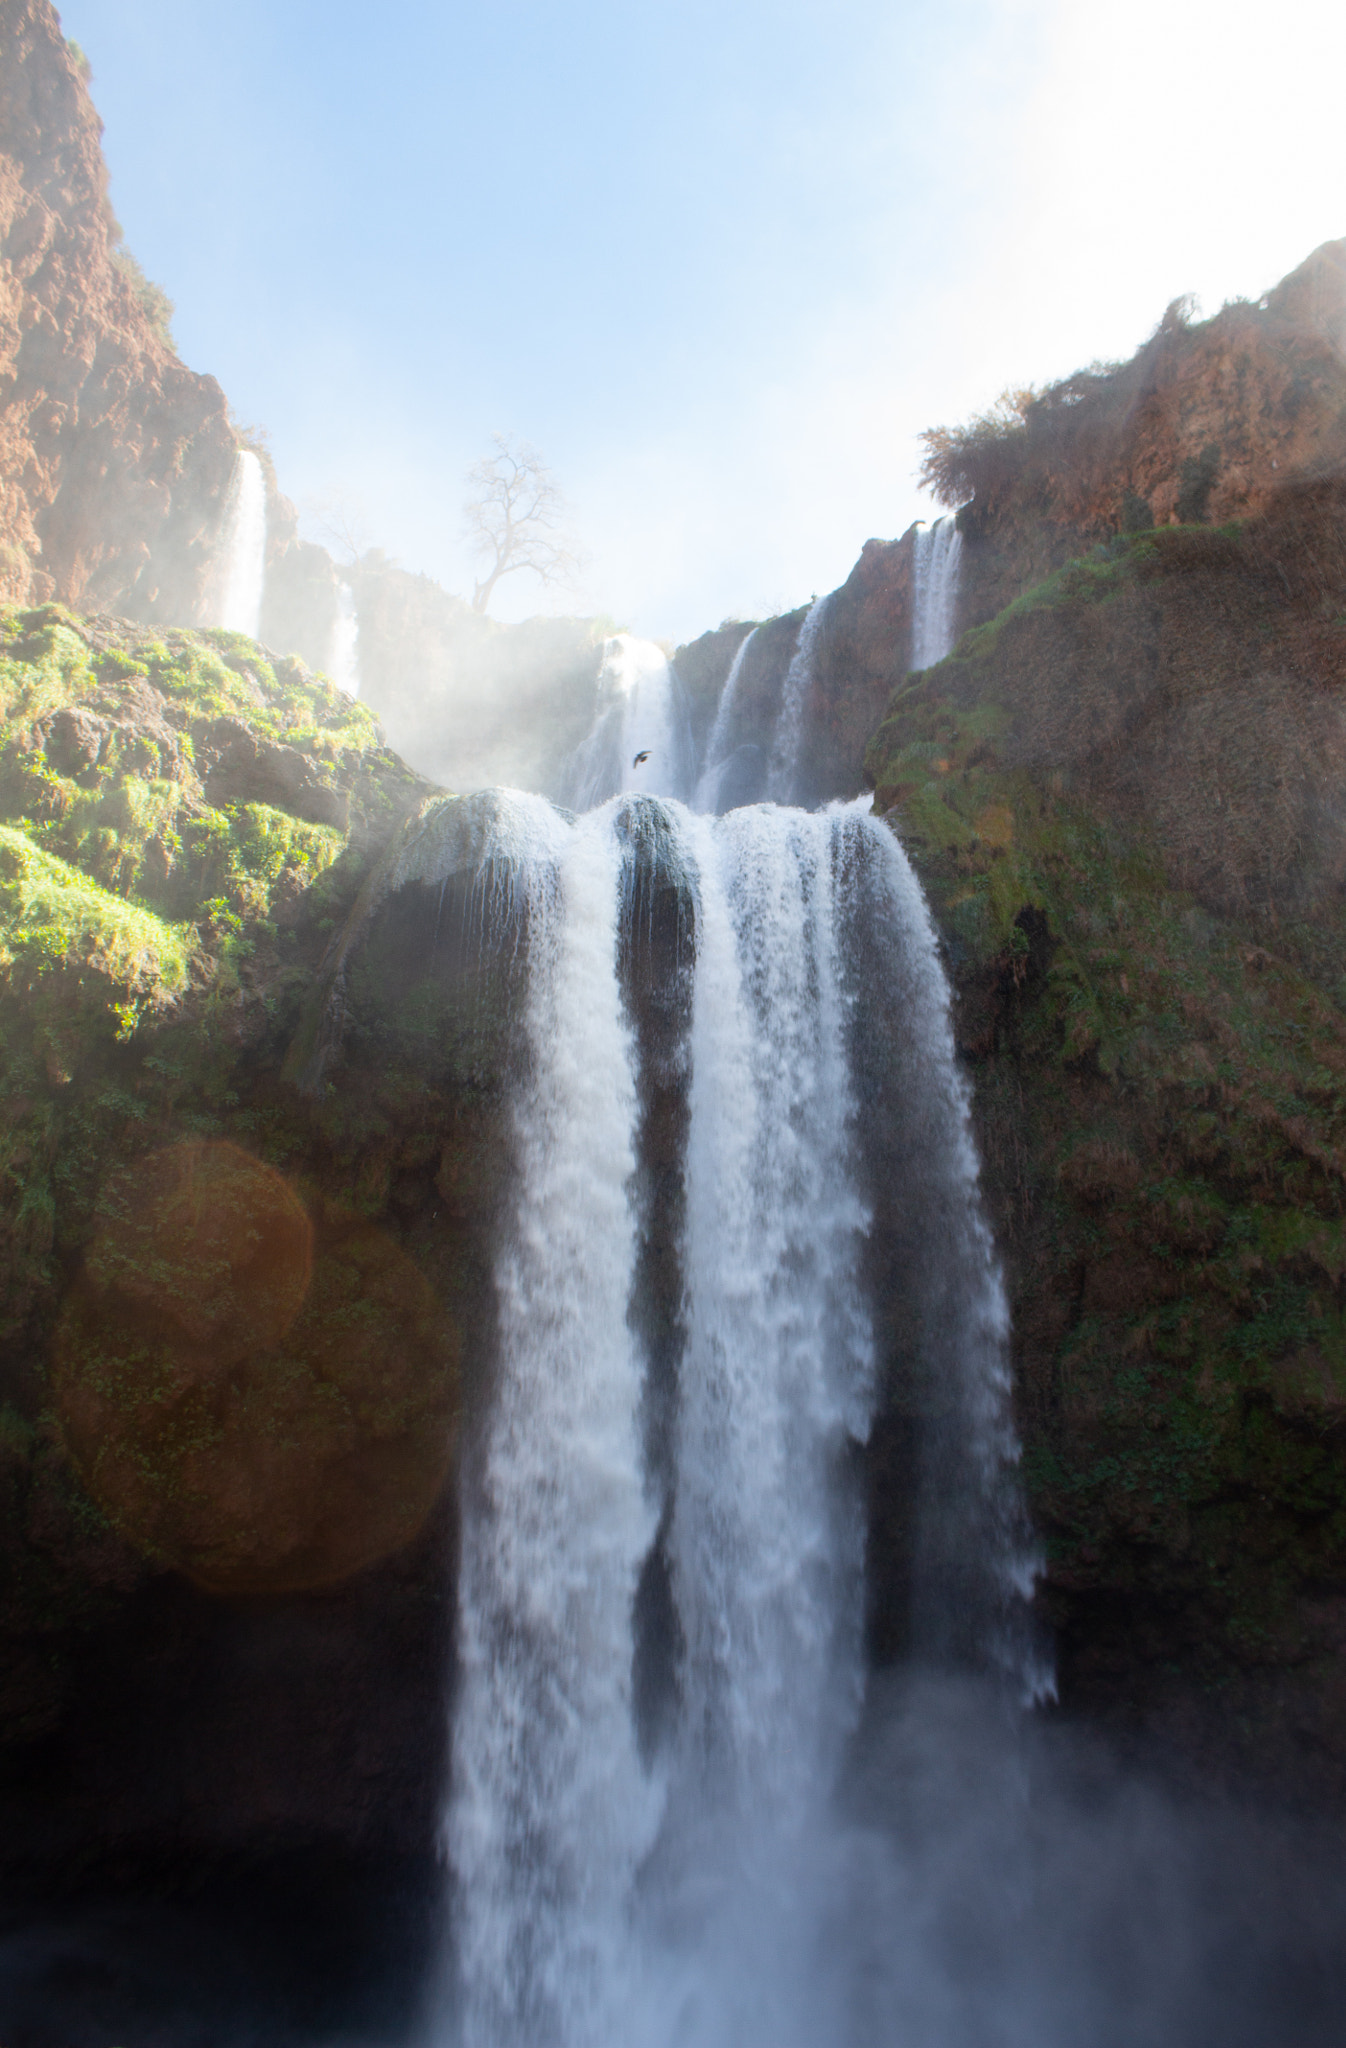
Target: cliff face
<point x="225" y="1542"/>
<point x="1210" y="422"/>
<point x="114" y="458"/>
<point x="1123" y="796"/>
<point x="1205" y="423"/>
<point x="862" y="650"/>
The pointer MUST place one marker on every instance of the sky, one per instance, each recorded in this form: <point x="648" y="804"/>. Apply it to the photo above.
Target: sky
<point x="719" y="261"/>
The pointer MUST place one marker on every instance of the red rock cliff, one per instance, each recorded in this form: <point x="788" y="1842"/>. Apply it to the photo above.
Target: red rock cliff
<point x="1207" y="422"/>
<point x="113" y="456"/>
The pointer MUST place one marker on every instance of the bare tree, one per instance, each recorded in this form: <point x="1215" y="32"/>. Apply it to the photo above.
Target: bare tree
<point x="340" y="523"/>
<point x="516" y="519"/>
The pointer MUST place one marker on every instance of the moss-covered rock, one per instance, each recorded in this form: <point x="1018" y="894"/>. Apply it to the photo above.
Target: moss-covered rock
<point x="263" y="1399"/>
<point x="1121" y="798"/>
<point x="185" y="826"/>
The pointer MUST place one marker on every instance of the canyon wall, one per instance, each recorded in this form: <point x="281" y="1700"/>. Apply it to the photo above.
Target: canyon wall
<point x="114" y="458"/>
<point x="1204" y="424"/>
<point x="115" y="465"/>
<point x="1123" y="796"/>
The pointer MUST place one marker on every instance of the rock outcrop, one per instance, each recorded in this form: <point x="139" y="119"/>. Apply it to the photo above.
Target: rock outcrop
<point x="226" y="1567"/>
<point x="226" y="1544"/>
<point x="862" y="650"/>
<point x="1122" y="795"/>
<point x="114" y="458"/>
<point x="1205" y="423"/>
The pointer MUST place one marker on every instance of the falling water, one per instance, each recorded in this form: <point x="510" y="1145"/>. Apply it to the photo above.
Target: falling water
<point x="783" y="767"/>
<point x="346" y="642"/>
<point x="620" y="1885"/>
<point x="938" y="558"/>
<point x="776" y="1384"/>
<point x="551" y="1811"/>
<point x="242" y="561"/>
<point x="717" y="746"/>
<point x="640" y="741"/>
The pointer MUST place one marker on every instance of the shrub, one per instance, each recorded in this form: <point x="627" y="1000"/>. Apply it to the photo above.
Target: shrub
<point x="1136" y="516"/>
<point x="1196" y="481"/>
<point x="151" y="298"/>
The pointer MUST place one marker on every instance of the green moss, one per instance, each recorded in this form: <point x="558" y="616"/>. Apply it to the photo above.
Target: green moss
<point x="52" y="916"/>
<point x="1162" y="1098"/>
<point x="44" y="663"/>
<point x="47" y="660"/>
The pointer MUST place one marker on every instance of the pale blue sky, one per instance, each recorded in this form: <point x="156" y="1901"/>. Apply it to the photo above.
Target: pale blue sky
<point x="720" y="263"/>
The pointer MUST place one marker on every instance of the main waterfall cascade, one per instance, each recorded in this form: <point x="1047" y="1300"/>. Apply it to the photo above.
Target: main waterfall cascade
<point x="662" y="1584"/>
<point x="241" y="571"/>
<point x="938" y="560"/>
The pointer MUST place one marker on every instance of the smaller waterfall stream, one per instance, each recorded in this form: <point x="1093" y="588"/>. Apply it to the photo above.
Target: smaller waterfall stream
<point x="640" y="741"/>
<point x="783" y="766"/>
<point x="939" y="555"/>
<point x="346" y="642"/>
<point x="242" y="556"/>
<point x="717" y="746"/>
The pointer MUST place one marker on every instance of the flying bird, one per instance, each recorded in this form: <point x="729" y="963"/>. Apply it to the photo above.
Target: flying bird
<point x="641" y="757"/>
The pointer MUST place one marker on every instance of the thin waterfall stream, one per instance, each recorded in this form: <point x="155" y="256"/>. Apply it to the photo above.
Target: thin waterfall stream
<point x="662" y="1599"/>
<point x="241" y="568"/>
<point x="345" y="656"/>
<point x="938" y="567"/>
<point x="718" y="750"/>
<point x="788" y="739"/>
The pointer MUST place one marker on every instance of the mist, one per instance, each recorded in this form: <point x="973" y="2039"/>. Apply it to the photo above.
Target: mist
<point x="732" y="269"/>
<point x="984" y="1879"/>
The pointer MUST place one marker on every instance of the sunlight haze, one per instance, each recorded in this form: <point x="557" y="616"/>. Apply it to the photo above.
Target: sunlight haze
<point x="721" y="266"/>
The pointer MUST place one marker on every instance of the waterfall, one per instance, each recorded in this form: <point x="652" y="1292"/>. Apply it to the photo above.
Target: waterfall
<point x="346" y="642"/>
<point x="717" y="746"/>
<point x="551" y="1812"/>
<point x="783" y="767"/>
<point x="938" y="558"/>
<point x="640" y="740"/>
<point x="660" y="1614"/>
<point x="242" y="558"/>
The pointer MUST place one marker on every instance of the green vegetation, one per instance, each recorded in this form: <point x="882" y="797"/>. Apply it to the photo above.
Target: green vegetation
<point x="51" y="915"/>
<point x="152" y="299"/>
<point x="959" y="461"/>
<point x="1197" y="480"/>
<point x="121" y="881"/>
<point x="1161" y="1091"/>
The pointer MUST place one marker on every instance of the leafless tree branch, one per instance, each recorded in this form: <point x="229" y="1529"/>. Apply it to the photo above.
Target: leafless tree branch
<point x="515" y="519"/>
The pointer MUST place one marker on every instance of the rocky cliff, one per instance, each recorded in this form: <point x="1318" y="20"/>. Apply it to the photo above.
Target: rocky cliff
<point x="225" y="1541"/>
<point x="1123" y="795"/>
<point x="116" y="461"/>
<point x="226" y="1566"/>
<point x="1205" y="423"/>
<point x="114" y="458"/>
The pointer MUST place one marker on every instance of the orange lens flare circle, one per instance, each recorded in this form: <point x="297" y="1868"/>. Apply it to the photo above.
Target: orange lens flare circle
<point x="264" y="1403"/>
